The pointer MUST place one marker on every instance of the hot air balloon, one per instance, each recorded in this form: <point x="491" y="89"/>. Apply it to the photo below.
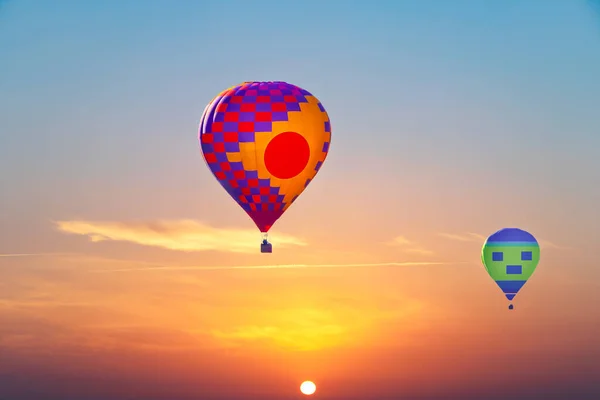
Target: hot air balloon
<point x="265" y="142"/>
<point x="510" y="256"/>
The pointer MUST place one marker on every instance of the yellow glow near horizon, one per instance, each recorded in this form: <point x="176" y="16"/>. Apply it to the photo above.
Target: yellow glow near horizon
<point x="308" y="388"/>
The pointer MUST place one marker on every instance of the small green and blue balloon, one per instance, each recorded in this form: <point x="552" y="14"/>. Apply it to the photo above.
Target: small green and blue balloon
<point x="510" y="256"/>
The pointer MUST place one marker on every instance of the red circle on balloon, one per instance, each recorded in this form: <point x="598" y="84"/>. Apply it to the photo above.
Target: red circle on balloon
<point x="287" y="155"/>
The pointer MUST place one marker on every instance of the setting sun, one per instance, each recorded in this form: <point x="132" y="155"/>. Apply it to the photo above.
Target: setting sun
<point x="308" y="388"/>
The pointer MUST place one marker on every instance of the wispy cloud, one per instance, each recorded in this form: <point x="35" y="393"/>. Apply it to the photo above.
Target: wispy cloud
<point x="182" y="235"/>
<point x="408" y="246"/>
<point x="297" y="336"/>
<point x="547" y="244"/>
<point x="313" y="328"/>
<point x="34" y="254"/>
<point x="417" y="250"/>
<point x="399" y="241"/>
<point x="278" y="266"/>
<point x="464" y="237"/>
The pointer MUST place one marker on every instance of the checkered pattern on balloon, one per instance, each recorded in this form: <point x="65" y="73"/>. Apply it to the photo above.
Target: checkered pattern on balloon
<point x="265" y="142"/>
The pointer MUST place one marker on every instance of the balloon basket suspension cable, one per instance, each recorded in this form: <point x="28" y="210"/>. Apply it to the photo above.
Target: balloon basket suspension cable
<point x="265" y="246"/>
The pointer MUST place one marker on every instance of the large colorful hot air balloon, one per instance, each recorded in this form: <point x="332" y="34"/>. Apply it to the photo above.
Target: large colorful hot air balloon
<point x="510" y="256"/>
<point x="265" y="142"/>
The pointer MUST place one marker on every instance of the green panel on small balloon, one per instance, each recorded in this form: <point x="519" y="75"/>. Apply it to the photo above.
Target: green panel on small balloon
<point x="511" y="256"/>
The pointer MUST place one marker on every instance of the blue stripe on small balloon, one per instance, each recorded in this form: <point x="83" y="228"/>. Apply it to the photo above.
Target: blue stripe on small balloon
<point x="511" y="286"/>
<point x="512" y="235"/>
<point x="512" y="244"/>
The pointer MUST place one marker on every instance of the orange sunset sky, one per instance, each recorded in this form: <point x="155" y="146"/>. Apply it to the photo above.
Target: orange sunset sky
<point x="127" y="272"/>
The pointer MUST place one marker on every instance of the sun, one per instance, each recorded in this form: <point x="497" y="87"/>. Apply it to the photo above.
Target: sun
<point x="308" y="388"/>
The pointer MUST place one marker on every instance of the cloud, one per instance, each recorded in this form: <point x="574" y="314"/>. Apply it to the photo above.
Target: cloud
<point x="547" y="244"/>
<point x="313" y="328"/>
<point x="417" y="250"/>
<point x="408" y="246"/>
<point x="399" y="241"/>
<point x="34" y="254"/>
<point x="282" y="266"/>
<point x="466" y="237"/>
<point x="182" y="235"/>
<point x="300" y="336"/>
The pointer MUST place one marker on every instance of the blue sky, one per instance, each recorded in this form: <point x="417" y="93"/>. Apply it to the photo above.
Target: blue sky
<point x="442" y="87"/>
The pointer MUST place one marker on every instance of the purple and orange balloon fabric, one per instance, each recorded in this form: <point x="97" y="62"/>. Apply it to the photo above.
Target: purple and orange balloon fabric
<point x="265" y="142"/>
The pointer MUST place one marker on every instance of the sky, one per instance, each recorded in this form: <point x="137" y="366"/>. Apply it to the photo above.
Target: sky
<point x="126" y="272"/>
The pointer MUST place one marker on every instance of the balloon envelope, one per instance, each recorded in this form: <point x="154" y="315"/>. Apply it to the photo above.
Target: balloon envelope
<point x="265" y="142"/>
<point x="510" y="256"/>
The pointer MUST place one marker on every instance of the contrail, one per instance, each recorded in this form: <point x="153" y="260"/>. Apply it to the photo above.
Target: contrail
<point x="281" y="266"/>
